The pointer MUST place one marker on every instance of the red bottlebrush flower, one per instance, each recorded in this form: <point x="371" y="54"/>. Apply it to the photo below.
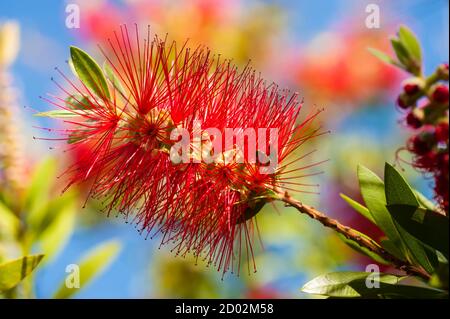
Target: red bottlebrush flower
<point x="440" y="94"/>
<point x="206" y="209"/>
<point x="413" y="121"/>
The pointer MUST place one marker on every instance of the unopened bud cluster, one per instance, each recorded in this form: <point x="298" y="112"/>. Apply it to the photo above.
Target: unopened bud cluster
<point x="426" y="103"/>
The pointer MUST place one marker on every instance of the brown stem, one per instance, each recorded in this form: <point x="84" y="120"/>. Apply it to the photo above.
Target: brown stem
<point x="352" y="234"/>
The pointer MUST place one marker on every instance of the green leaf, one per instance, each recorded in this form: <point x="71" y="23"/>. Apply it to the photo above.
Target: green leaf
<point x="399" y="192"/>
<point x="363" y="250"/>
<point x="39" y="188"/>
<point x="353" y="285"/>
<point x="78" y="102"/>
<point x="427" y="226"/>
<point x="41" y="218"/>
<point x="14" y="271"/>
<point x="56" y="235"/>
<point x="384" y="57"/>
<point x="410" y="42"/>
<point x="94" y="262"/>
<point x="57" y="114"/>
<point x="401" y="52"/>
<point x="358" y="207"/>
<point x="89" y="72"/>
<point x="425" y="202"/>
<point x="113" y="78"/>
<point x="9" y="223"/>
<point x="372" y="190"/>
<point x="392" y="248"/>
<point x="251" y="211"/>
<point x="346" y="284"/>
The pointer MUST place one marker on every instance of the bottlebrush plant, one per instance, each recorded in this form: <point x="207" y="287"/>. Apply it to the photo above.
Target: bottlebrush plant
<point x="124" y="118"/>
<point x="416" y="230"/>
<point x="425" y="102"/>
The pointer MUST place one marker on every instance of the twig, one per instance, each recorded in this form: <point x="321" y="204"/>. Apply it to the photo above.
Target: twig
<point x="352" y="234"/>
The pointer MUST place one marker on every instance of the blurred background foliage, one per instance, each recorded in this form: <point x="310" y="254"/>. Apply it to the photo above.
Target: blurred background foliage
<point x="315" y="47"/>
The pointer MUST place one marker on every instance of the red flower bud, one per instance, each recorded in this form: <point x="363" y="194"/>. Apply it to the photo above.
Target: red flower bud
<point x="401" y="102"/>
<point x="418" y="146"/>
<point x="440" y="94"/>
<point x="441" y="132"/>
<point x="411" y="88"/>
<point x="443" y="162"/>
<point x="413" y="121"/>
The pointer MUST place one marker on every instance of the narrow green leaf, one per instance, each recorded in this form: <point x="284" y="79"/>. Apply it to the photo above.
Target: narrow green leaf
<point x="96" y="261"/>
<point x="410" y="42"/>
<point x="425" y="202"/>
<point x="113" y="78"/>
<point x="89" y="72"/>
<point x="14" y="271"/>
<point x="391" y="248"/>
<point x="353" y="285"/>
<point x="57" y="114"/>
<point x="56" y="235"/>
<point x="393" y="291"/>
<point x="382" y="56"/>
<point x="399" y="192"/>
<point x="41" y="217"/>
<point x="401" y="52"/>
<point x="78" y="102"/>
<point x="372" y="190"/>
<point x="251" y="211"/>
<point x="346" y="284"/>
<point x="358" y="207"/>
<point x="9" y="223"/>
<point x="427" y="226"/>
<point x="36" y="194"/>
<point x="363" y="250"/>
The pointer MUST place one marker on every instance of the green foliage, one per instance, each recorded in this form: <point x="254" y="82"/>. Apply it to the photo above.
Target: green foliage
<point x="89" y="72"/>
<point x="9" y="223"/>
<point x="407" y="51"/>
<point x="346" y="284"/>
<point x="113" y="78"/>
<point x="14" y="271"/>
<point x="57" y="114"/>
<point x="47" y="222"/>
<point x="363" y="250"/>
<point x="427" y="226"/>
<point x="355" y="285"/>
<point x="372" y="190"/>
<point x="78" y="102"/>
<point x="415" y="233"/>
<point x="398" y="191"/>
<point x="358" y="207"/>
<point x="56" y="235"/>
<point x="409" y="40"/>
<point x="91" y="265"/>
<point x="384" y="57"/>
